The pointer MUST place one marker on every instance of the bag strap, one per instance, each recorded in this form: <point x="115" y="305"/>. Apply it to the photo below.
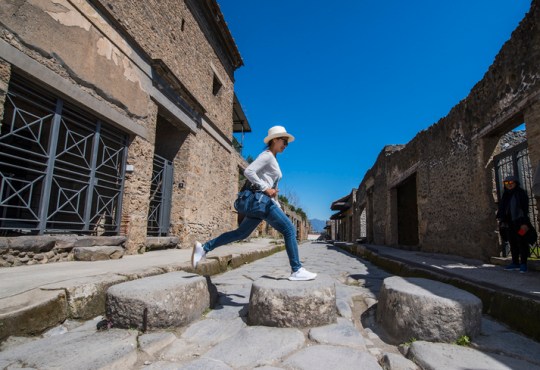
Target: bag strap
<point x="249" y="186"/>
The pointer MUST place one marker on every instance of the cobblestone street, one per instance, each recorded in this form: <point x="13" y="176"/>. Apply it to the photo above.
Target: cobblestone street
<point x="221" y="339"/>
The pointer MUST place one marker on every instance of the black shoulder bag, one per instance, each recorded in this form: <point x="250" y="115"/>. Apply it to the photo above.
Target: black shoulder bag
<point x="252" y="202"/>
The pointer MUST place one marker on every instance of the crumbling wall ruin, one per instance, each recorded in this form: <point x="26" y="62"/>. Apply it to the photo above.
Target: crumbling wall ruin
<point x="450" y="161"/>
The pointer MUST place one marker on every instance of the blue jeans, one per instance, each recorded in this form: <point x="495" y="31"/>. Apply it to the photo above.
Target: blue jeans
<point x="275" y="218"/>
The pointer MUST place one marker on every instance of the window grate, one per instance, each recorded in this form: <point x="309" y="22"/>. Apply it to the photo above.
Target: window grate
<point x="61" y="168"/>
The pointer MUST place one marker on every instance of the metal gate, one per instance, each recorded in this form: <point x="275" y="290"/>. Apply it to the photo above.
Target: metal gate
<point x="159" y="212"/>
<point x="515" y="161"/>
<point x="61" y="169"/>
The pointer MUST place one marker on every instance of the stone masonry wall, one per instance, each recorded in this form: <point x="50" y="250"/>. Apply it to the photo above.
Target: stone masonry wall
<point x="452" y="158"/>
<point x="203" y="207"/>
<point x="78" y="45"/>
<point x="167" y="30"/>
<point x="532" y="123"/>
<point x="107" y="52"/>
<point x="136" y="194"/>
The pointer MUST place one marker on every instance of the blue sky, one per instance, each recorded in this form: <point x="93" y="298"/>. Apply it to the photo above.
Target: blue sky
<point x="348" y="77"/>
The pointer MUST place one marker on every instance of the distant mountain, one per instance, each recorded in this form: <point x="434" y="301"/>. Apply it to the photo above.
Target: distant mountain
<point x="318" y="225"/>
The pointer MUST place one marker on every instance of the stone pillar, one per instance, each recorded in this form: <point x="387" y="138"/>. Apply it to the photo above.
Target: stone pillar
<point x="137" y="187"/>
<point x="532" y="124"/>
<point x="5" y="75"/>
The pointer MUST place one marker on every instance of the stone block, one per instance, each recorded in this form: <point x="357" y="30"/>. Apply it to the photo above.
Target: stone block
<point x="82" y="350"/>
<point x="161" y="242"/>
<point x="36" y="244"/>
<point x="427" y="310"/>
<point x="169" y="300"/>
<point x="297" y="304"/>
<point x="32" y="312"/>
<point x="331" y="357"/>
<point x="68" y="242"/>
<point x="100" y="253"/>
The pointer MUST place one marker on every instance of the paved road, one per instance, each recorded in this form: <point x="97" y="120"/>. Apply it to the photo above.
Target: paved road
<point x="222" y="340"/>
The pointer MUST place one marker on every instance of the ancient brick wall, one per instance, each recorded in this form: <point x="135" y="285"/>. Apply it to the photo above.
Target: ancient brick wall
<point x="450" y="162"/>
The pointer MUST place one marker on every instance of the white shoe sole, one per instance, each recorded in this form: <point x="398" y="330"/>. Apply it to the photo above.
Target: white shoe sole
<point x="193" y="264"/>
<point x="302" y="279"/>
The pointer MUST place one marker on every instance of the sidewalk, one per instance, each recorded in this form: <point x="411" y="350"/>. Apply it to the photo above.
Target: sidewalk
<point x="34" y="298"/>
<point x="508" y="296"/>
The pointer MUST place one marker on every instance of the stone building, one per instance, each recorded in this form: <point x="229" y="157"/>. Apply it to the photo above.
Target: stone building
<point x="118" y="119"/>
<point x="436" y="193"/>
<point x="344" y="226"/>
<point x="301" y="224"/>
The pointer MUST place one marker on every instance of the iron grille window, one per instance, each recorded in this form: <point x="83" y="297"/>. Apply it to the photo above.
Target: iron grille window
<point x="160" y="197"/>
<point x="61" y="169"/>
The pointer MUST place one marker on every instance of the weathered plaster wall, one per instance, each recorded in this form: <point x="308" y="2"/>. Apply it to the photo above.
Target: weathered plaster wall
<point x="452" y="158"/>
<point x="156" y="25"/>
<point x="80" y="44"/>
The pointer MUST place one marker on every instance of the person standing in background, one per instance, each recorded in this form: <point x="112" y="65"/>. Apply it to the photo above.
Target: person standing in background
<point x="513" y="214"/>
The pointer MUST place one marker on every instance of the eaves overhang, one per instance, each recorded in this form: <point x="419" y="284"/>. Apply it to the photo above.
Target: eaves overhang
<point x="338" y="216"/>
<point x="342" y="203"/>
<point x="240" y="122"/>
<point x="214" y="18"/>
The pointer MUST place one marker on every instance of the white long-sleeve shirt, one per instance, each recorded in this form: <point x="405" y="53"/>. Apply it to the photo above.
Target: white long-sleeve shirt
<point x="264" y="172"/>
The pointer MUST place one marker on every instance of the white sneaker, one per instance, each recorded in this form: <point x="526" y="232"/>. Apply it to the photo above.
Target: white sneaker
<point x="198" y="254"/>
<point x="302" y="274"/>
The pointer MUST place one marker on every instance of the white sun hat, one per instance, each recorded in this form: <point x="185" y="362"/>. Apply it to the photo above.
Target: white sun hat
<point x="278" y="131"/>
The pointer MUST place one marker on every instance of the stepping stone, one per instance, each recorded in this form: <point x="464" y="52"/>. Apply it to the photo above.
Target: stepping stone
<point x="168" y="300"/>
<point x="297" y="304"/>
<point x="422" y="309"/>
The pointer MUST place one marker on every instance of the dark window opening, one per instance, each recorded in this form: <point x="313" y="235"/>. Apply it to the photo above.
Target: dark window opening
<point x="216" y="85"/>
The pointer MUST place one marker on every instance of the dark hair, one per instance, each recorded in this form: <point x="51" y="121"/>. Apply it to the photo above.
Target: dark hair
<point x="269" y="143"/>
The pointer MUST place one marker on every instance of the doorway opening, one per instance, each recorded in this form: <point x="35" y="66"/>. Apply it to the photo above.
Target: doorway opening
<point x="169" y="139"/>
<point x="407" y="212"/>
<point x="512" y="159"/>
